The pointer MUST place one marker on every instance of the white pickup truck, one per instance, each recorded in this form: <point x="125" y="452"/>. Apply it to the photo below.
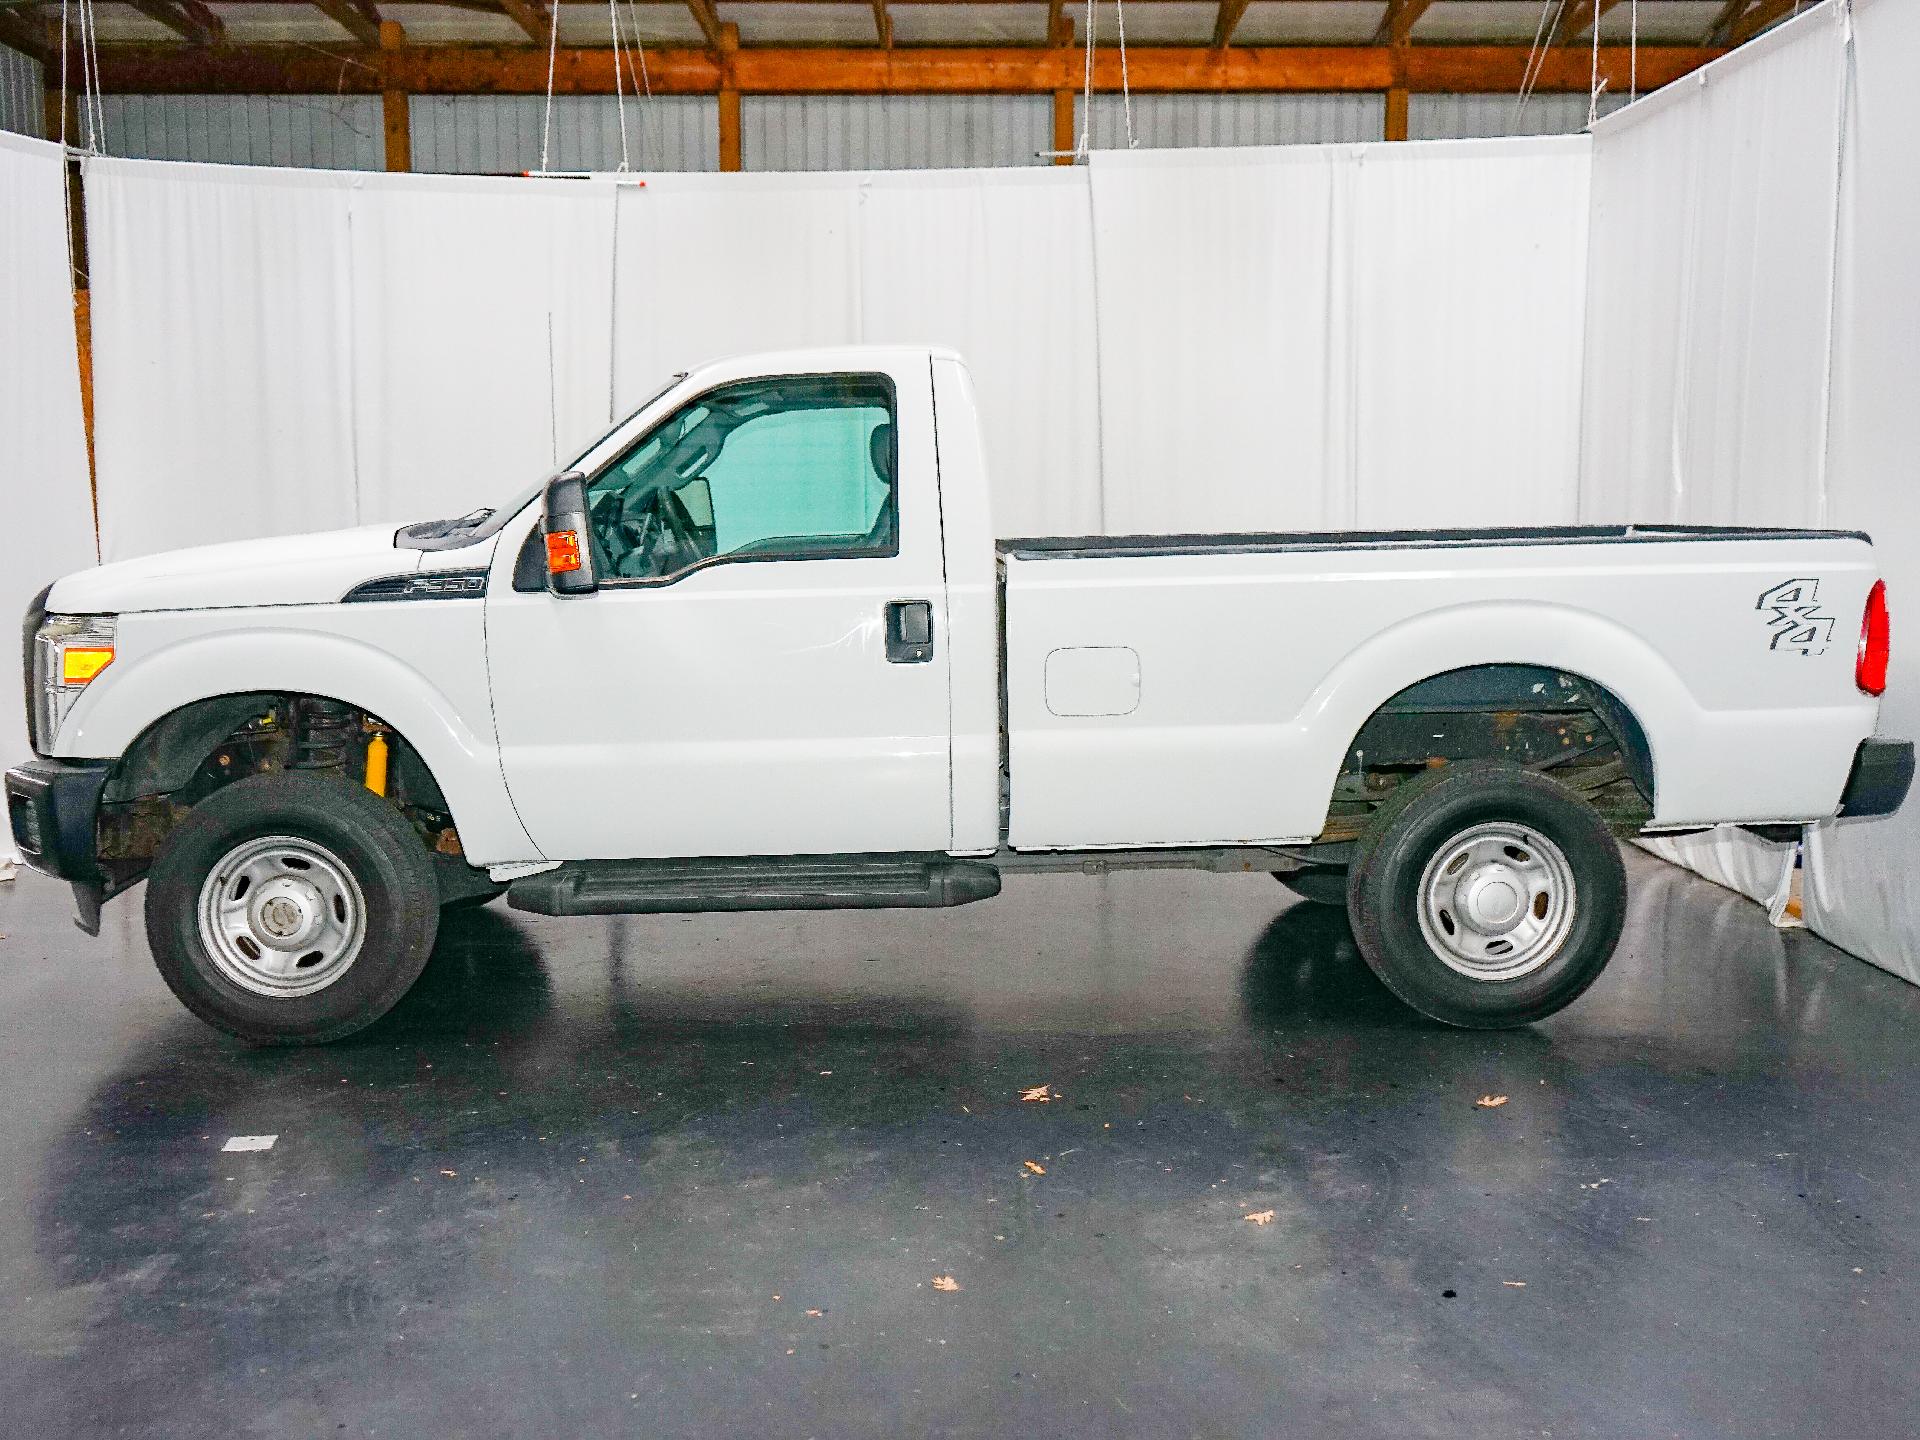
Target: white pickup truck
<point x="757" y="648"/>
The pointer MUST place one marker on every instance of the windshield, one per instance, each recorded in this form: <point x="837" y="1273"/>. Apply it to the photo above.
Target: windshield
<point x="478" y="525"/>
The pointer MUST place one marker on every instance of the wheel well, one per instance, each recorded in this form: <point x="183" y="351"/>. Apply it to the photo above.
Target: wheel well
<point x="1561" y="724"/>
<point x="191" y="752"/>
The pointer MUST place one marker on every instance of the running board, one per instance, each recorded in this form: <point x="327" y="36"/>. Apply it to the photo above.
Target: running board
<point x="813" y="882"/>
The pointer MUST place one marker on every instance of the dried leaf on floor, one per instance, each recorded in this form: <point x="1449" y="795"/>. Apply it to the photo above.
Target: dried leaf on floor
<point x="451" y="1174"/>
<point x="1514" y="1284"/>
<point x="816" y="1313"/>
<point x="945" y="1282"/>
<point x="1260" y="1217"/>
<point x="1036" y="1169"/>
<point x="1039" y="1094"/>
<point x="1491" y="1102"/>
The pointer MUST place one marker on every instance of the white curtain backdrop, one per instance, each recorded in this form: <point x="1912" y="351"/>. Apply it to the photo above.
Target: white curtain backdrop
<point x="1750" y="359"/>
<point x="1708" y="309"/>
<point x="1355" y="335"/>
<point x="43" y="442"/>
<point x="997" y="263"/>
<point x="289" y="350"/>
<point x="279" y="350"/>
<point x="222" y="353"/>
<point x="481" y="336"/>
<point x="1863" y="895"/>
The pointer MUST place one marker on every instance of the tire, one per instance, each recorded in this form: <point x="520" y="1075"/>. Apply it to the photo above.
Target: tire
<point x="1316" y="884"/>
<point x="291" y="909"/>
<point x="1486" y="896"/>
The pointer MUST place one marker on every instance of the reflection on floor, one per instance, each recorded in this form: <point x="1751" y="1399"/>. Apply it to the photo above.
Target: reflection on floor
<point x="695" y="1176"/>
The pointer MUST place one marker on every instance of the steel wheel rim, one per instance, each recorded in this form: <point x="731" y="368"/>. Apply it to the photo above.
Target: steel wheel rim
<point x="1497" y="901"/>
<point x="281" y="916"/>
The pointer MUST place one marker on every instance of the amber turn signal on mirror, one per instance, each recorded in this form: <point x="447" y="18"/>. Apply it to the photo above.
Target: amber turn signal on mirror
<point x="563" y="552"/>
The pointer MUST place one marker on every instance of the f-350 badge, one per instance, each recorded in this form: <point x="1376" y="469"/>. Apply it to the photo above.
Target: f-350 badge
<point x="1794" y="618"/>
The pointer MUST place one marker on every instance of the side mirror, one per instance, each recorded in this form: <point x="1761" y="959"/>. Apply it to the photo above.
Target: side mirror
<point x="569" y="536"/>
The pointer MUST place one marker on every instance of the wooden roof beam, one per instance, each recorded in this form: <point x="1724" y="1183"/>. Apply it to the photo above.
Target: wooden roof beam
<point x="1577" y="19"/>
<point x="909" y="70"/>
<point x="359" y="18"/>
<point x="1746" y="26"/>
<point x="531" y="16"/>
<point x="708" y="19"/>
<point x="1723" y="22"/>
<point x="883" y="24"/>
<point x="189" y="19"/>
<point x="1396" y="26"/>
<point x="22" y="30"/>
<point x="1231" y="13"/>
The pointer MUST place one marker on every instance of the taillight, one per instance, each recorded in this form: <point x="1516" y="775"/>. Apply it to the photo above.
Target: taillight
<point x="1876" y="643"/>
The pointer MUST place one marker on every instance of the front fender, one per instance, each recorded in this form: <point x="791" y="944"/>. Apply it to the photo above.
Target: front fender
<point x="170" y="660"/>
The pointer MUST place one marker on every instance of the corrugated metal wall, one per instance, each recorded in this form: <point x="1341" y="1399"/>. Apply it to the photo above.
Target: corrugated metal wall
<point x="20" y="103"/>
<point x="501" y="134"/>
<point x="893" y="132"/>
<point x="1460" y="117"/>
<point x="1164" y="122"/>
<point x="322" y="132"/>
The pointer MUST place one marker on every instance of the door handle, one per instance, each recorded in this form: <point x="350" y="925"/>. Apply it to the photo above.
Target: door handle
<point x="909" y="632"/>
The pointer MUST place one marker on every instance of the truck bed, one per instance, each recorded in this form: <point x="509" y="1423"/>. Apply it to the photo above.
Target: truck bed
<point x="1285" y="542"/>
<point x="1205" y="689"/>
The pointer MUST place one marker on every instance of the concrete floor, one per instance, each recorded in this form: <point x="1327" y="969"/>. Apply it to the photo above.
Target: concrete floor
<point x="670" y="1177"/>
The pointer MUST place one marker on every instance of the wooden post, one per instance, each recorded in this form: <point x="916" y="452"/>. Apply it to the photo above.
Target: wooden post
<point x="394" y="107"/>
<point x="83" y="338"/>
<point x="729" y="98"/>
<point x="1397" y="113"/>
<point x="1064" y="139"/>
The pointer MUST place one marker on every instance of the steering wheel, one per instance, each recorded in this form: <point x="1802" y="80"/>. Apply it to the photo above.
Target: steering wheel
<point x="659" y="539"/>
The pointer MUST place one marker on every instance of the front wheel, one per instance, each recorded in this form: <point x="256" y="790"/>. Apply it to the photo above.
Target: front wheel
<point x="1485" y="895"/>
<point x="292" y="909"/>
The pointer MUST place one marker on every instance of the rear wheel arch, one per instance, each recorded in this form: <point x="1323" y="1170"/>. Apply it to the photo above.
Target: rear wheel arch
<point x="1543" y="717"/>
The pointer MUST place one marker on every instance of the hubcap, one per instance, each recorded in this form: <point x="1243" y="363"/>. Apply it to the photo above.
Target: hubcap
<point x="281" y="916"/>
<point x="1497" y="901"/>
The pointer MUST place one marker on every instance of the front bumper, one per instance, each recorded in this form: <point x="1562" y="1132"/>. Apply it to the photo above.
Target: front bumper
<point x="53" y="807"/>
<point x="1881" y="776"/>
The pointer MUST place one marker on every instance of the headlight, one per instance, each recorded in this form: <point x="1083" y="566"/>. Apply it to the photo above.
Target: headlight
<point x="68" y="652"/>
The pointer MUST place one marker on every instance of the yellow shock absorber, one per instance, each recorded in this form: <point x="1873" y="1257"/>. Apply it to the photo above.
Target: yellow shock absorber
<point x="377" y="763"/>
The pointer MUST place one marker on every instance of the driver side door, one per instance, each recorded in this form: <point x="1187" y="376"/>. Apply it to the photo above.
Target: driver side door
<point x="731" y="687"/>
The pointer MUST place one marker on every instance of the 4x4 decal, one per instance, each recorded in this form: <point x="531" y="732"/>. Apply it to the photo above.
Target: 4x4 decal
<point x="1794" y="617"/>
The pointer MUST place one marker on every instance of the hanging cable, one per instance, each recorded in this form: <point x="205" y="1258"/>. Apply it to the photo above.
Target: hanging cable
<point x="1593" y="79"/>
<point x="1126" y="95"/>
<point x="89" y="79"/>
<point x="619" y="90"/>
<point x="650" y="147"/>
<point x="99" y="88"/>
<point x="97" y="124"/>
<point x="1536" y="57"/>
<point x="66" y="184"/>
<point x="1633" y="50"/>
<point x="1089" y="13"/>
<point x="546" y="120"/>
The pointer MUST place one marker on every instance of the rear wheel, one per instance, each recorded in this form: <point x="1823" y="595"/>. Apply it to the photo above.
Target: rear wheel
<point x="292" y="908"/>
<point x="1485" y="895"/>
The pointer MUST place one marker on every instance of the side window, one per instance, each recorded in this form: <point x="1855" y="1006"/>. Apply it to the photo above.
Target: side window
<point x="798" y="467"/>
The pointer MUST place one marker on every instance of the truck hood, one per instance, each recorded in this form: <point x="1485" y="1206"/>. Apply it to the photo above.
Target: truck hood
<point x="287" y="570"/>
